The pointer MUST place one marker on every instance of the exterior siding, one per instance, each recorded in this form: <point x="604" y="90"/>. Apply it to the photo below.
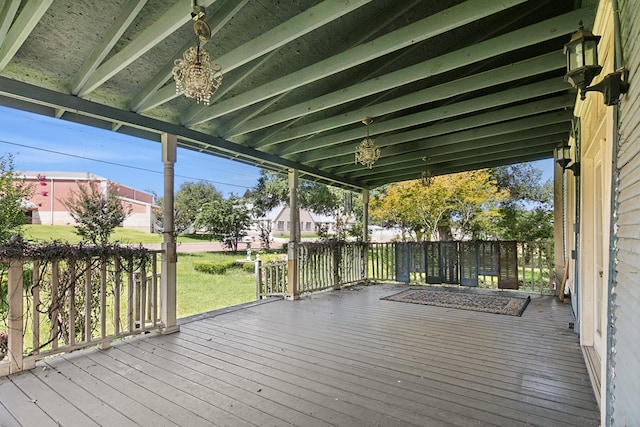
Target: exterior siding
<point x="624" y="387"/>
<point x="51" y="189"/>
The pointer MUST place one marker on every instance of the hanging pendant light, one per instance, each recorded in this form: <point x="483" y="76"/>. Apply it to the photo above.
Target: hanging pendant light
<point x="196" y="76"/>
<point x="367" y="153"/>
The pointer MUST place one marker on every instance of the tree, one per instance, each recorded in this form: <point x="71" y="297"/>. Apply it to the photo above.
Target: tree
<point x="225" y="220"/>
<point x="14" y="191"/>
<point x="97" y="211"/>
<point x="189" y="199"/>
<point x="430" y="211"/>
<point x="414" y="206"/>
<point x="528" y="212"/>
<point x="272" y="190"/>
<point x="475" y="203"/>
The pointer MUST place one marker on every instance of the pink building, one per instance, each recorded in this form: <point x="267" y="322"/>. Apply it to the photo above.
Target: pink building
<point x="51" y="189"/>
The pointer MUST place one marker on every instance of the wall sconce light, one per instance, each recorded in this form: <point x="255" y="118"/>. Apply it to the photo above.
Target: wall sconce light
<point x="583" y="67"/>
<point x="563" y="158"/>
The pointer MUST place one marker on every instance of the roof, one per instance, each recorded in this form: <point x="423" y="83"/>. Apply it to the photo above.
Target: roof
<point x="462" y="84"/>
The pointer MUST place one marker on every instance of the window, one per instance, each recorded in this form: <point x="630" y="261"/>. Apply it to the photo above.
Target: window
<point x="280" y="225"/>
<point x="308" y="226"/>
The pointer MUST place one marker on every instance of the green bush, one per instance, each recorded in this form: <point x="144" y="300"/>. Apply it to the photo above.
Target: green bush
<point x="249" y="267"/>
<point x="213" y="267"/>
<point x="272" y="258"/>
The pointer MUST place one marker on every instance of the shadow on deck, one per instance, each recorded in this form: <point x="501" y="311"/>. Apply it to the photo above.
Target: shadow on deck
<point x="341" y="358"/>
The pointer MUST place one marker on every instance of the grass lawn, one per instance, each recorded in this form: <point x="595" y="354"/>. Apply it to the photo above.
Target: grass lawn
<point x="201" y="292"/>
<point x="66" y="233"/>
<point x="197" y="292"/>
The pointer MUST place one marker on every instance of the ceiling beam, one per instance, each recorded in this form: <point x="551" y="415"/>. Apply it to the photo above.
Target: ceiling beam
<point x="434" y="163"/>
<point x="447" y="90"/>
<point x="248" y="113"/>
<point x="21" y="28"/>
<point x="120" y="25"/>
<point x="477" y="162"/>
<point x="273" y="39"/>
<point x="378" y="181"/>
<point x="55" y="100"/>
<point x="451" y="18"/>
<point x="458" y="136"/>
<point x="429" y="129"/>
<point x="518" y="39"/>
<point x="178" y="15"/>
<point x="141" y="101"/>
<point x="460" y="146"/>
<point x="7" y="14"/>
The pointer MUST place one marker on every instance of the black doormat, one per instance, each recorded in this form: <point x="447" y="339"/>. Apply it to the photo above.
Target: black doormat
<point x="464" y="300"/>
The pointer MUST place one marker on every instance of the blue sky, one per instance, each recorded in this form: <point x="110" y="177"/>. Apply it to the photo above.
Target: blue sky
<point x="129" y="161"/>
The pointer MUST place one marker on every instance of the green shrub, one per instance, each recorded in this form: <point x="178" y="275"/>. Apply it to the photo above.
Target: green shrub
<point x="213" y="267"/>
<point x="273" y="258"/>
<point x="249" y="267"/>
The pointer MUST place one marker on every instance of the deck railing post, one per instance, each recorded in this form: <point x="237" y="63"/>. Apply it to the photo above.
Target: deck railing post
<point x="294" y="238"/>
<point x="15" y="342"/>
<point x="258" y="266"/>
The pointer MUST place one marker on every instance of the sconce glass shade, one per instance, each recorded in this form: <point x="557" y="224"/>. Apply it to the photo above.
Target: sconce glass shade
<point x="563" y="155"/>
<point x="582" y="59"/>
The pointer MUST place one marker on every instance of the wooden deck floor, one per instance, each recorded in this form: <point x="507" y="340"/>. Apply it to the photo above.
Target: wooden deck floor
<point x="342" y="358"/>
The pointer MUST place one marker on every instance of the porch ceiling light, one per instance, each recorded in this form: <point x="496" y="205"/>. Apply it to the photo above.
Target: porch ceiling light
<point x="562" y="156"/>
<point x="195" y="75"/>
<point x="426" y="178"/>
<point x="367" y="153"/>
<point x="583" y="67"/>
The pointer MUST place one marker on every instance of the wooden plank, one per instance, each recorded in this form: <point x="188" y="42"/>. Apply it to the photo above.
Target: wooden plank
<point x="335" y="370"/>
<point x="224" y="396"/>
<point x="51" y="401"/>
<point x="78" y="388"/>
<point x="312" y="407"/>
<point x="119" y="377"/>
<point x="7" y="419"/>
<point x="91" y="384"/>
<point x="337" y="358"/>
<point x="353" y="389"/>
<point x="184" y="393"/>
<point x="22" y="407"/>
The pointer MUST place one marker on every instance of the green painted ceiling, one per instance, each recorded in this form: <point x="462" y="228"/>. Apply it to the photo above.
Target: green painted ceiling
<point x="466" y="84"/>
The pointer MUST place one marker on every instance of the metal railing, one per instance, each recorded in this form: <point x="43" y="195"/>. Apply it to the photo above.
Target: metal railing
<point x="60" y="303"/>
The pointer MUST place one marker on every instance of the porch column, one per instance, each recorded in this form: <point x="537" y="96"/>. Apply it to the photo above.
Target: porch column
<point x="169" y="255"/>
<point x="294" y="237"/>
<point x="365" y="234"/>
<point x="558" y="224"/>
<point x="365" y="215"/>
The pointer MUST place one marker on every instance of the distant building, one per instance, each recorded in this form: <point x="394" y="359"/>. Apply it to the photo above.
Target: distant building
<point x="278" y="219"/>
<point x="310" y="223"/>
<point x="51" y="189"/>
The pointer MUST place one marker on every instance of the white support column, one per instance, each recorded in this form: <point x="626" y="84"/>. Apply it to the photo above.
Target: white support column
<point x="558" y="225"/>
<point x="169" y="256"/>
<point x="294" y="238"/>
<point x="365" y="234"/>
<point x="365" y="215"/>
